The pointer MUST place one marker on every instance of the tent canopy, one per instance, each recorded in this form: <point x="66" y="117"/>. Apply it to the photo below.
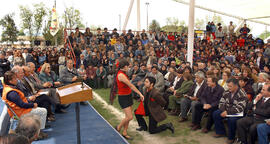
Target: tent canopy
<point x="251" y="10"/>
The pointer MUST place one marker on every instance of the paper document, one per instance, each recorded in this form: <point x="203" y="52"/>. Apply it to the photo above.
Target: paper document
<point x="44" y="92"/>
<point x="267" y="120"/>
<point x="241" y="114"/>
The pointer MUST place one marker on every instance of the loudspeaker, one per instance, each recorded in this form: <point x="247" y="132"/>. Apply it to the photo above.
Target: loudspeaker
<point x="48" y="42"/>
<point x="37" y="42"/>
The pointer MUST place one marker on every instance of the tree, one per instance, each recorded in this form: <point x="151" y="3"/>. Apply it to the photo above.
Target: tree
<point x="72" y="18"/>
<point x="154" y="26"/>
<point x="216" y="19"/>
<point x="39" y="14"/>
<point x="27" y="21"/>
<point x="174" y="25"/>
<point x="264" y="35"/>
<point x="199" y="24"/>
<point x="32" y="21"/>
<point x="10" y="32"/>
<point x="21" y="33"/>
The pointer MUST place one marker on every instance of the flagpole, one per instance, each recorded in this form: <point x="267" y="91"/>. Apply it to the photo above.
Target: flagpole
<point x="55" y="37"/>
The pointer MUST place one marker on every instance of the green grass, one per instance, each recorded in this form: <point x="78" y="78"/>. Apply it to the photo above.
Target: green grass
<point x="105" y="94"/>
<point x="182" y="135"/>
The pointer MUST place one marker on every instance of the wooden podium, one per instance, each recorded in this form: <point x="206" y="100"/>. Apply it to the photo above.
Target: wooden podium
<point x="75" y="93"/>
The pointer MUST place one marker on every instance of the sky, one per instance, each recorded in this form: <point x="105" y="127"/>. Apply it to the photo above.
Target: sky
<point x="106" y="13"/>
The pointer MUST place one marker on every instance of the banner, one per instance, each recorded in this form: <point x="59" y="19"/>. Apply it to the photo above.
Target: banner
<point x="54" y="23"/>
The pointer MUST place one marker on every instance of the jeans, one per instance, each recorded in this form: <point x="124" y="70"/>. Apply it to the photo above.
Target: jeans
<point x="219" y="125"/>
<point x="263" y="130"/>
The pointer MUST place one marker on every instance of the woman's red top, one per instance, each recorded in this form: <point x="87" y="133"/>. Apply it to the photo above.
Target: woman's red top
<point x="123" y="89"/>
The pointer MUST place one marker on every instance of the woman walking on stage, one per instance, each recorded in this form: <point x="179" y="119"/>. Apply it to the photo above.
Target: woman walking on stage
<point x="125" y="88"/>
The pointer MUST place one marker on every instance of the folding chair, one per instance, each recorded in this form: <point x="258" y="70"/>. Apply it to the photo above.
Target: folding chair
<point x="189" y="110"/>
<point x="13" y="121"/>
<point x="4" y="119"/>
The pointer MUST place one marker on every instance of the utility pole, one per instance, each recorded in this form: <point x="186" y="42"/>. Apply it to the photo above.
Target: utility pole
<point x="147" y="4"/>
<point x="119" y="23"/>
<point x="55" y="37"/>
<point x="138" y="15"/>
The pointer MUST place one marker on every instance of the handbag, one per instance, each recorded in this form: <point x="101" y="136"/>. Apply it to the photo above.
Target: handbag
<point x="140" y="110"/>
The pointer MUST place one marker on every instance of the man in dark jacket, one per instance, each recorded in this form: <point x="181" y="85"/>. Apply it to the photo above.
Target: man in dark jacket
<point x="208" y="102"/>
<point x="153" y="104"/>
<point x="30" y="57"/>
<point x="4" y="64"/>
<point x="174" y="86"/>
<point x="81" y="61"/>
<point x="94" y="61"/>
<point x="258" y="111"/>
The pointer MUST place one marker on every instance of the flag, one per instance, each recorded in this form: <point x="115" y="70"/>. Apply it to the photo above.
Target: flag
<point x="54" y="23"/>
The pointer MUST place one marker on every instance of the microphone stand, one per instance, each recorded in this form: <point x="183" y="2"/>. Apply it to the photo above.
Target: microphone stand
<point x="77" y="110"/>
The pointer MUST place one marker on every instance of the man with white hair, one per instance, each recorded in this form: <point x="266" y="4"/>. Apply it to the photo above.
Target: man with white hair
<point x="69" y="74"/>
<point x="191" y="99"/>
<point x="262" y="79"/>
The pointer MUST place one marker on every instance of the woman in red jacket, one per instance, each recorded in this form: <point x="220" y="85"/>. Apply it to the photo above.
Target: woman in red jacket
<point x="125" y="88"/>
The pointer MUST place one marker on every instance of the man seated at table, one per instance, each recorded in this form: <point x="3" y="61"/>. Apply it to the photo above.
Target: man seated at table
<point x="69" y="75"/>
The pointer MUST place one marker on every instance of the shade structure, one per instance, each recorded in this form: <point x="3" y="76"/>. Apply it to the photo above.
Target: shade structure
<point x="251" y="10"/>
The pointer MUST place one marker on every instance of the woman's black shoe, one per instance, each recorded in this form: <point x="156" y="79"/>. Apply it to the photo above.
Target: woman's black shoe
<point x="127" y="137"/>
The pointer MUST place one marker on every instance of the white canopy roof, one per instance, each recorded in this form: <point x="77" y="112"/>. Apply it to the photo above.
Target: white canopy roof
<point x="251" y="10"/>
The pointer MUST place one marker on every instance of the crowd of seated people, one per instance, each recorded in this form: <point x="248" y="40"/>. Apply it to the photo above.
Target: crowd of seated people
<point x="229" y="73"/>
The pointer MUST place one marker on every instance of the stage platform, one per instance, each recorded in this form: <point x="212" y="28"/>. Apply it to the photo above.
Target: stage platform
<point x="94" y="128"/>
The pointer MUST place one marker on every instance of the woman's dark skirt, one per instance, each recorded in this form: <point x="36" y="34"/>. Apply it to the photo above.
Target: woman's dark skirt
<point x="125" y="101"/>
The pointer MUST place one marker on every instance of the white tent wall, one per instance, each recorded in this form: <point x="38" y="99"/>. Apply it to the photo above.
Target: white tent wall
<point x="252" y="10"/>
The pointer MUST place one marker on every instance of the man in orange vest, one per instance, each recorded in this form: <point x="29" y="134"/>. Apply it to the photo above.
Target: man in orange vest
<point x="16" y="101"/>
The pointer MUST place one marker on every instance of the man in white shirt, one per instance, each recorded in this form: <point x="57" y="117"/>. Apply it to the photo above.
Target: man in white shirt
<point x="191" y="99"/>
<point x="258" y="111"/>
